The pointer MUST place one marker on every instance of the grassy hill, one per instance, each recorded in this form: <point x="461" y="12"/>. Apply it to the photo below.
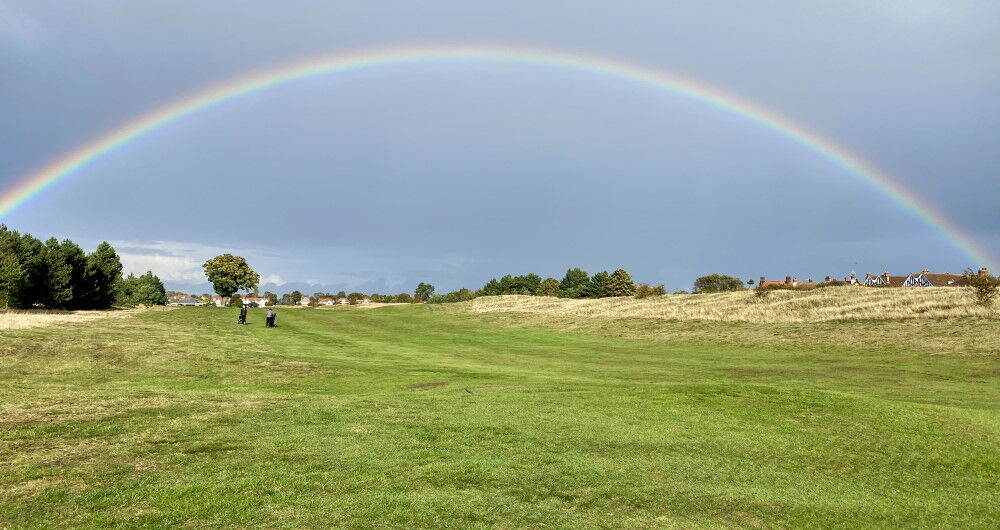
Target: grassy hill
<point x="781" y="306"/>
<point x="422" y="416"/>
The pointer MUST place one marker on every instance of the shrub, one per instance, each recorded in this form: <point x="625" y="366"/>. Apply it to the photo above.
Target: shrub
<point x="618" y="284"/>
<point x="461" y="295"/>
<point x="645" y="290"/>
<point x="236" y="301"/>
<point x="985" y="288"/>
<point x="548" y="287"/>
<point x="717" y="283"/>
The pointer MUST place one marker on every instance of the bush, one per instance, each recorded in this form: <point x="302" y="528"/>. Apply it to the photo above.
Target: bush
<point x="645" y="290"/>
<point x="548" y="287"/>
<point x="717" y="283"/>
<point x="618" y="284"/>
<point x="236" y="301"/>
<point x="461" y="295"/>
<point x="985" y="288"/>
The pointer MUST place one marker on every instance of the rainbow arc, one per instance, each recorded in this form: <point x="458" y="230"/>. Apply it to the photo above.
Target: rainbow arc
<point x="36" y="183"/>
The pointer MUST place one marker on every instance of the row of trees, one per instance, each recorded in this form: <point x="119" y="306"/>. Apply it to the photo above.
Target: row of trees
<point x="60" y="275"/>
<point x="575" y="284"/>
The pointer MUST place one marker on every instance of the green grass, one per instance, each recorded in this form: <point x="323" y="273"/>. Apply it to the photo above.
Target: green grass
<point x="421" y="417"/>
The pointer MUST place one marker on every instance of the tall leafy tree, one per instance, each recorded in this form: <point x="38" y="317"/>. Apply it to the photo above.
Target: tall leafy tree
<point x="13" y="280"/>
<point x="619" y="283"/>
<point x="424" y="291"/>
<point x="228" y="273"/>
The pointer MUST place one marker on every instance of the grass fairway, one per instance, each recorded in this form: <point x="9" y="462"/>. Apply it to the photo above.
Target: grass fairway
<point x="427" y="417"/>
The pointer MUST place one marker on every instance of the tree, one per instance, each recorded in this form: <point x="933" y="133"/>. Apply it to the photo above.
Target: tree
<point x="548" y="287"/>
<point x="341" y="294"/>
<point x="595" y="288"/>
<point x="985" y="287"/>
<point x="618" y="284"/>
<point x="573" y="283"/>
<point x="424" y="291"/>
<point x="750" y="283"/>
<point x="103" y="272"/>
<point x="62" y="274"/>
<point x="270" y="298"/>
<point x="717" y="283"/>
<point x="228" y="273"/>
<point x="235" y="301"/>
<point x="13" y="280"/>
<point x="142" y="290"/>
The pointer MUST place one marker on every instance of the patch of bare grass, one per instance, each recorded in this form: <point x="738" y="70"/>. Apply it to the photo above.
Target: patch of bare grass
<point x="16" y="319"/>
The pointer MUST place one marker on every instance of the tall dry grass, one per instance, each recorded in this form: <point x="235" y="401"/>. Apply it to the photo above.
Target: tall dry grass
<point x="818" y="305"/>
<point x="18" y="319"/>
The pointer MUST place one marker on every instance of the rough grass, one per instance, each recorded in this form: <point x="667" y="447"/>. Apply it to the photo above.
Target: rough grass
<point x="424" y="417"/>
<point x="781" y="306"/>
<point x="17" y="319"/>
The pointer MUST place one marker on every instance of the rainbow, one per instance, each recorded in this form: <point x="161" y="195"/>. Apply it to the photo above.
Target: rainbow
<point x="34" y="184"/>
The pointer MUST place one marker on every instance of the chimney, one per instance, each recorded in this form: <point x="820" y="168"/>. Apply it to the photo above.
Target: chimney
<point x="885" y="276"/>
<point x="761" y="281"/>
<point x="983" y="272"/>
<point x="788" y="280"/>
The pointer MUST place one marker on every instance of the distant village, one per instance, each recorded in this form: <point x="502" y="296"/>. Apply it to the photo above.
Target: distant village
<point x="924" y="278"/>
<point x="183" y="299"/>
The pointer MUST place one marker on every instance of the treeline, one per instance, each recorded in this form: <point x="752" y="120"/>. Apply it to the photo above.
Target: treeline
<point x="577" y="283"/>
<point x="295" y="297"/>
<point x="60" y="275"/>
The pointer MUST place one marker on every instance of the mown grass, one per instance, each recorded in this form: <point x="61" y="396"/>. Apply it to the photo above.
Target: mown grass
<point x="428" y="417"/>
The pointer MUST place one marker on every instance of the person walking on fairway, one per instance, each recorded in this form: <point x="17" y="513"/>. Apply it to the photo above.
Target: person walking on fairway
<point x="243" y="315"/>
<point x="269" y="321"/>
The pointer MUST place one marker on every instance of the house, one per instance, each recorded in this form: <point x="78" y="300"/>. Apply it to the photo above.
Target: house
<point x="926" y="278"/>
<point x="789" y="281"/>
<point x="326" y="301"/>
<point x="344" y="301"/>
<point x="884" y="279"/>
<point x="365" y="300"/>
<point x="304" y="300"/>
<point x="217" y="300"/>
<point x="253" y="301"/>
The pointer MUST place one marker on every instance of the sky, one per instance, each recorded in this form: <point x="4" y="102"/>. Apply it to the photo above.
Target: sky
<point x="454" y="173"/>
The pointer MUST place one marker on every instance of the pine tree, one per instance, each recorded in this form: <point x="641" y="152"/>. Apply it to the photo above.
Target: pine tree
<point x="618" y="284"/>
<point x="104" y="269"/>
<point x="595" y="288"/>
<point x="548" y="287"/>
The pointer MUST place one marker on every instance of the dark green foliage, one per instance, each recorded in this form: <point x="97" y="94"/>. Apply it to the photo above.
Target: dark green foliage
<point x="526" y="284"/>
<point x="618" y="284"/>
<point x="228" y="273"/>
<point x="423" y="291"/>
<point x="717" y="283"/>
<point x="573" y="283"/>
<point x="548" y="287"/>
<point x="236" y="301"/>
<point x="460" y="295"/>
<point x="403" y="298"/>
<point x="595" y="287"/>
<point x="354" y="297"/>
<point x="104" y="270"/>
<point x="645" y="290"/>
<point x="291" y="298"/>
<point x="140" y="290"/>
<point x="985" y="287"/>
<point x="270" y="298"/>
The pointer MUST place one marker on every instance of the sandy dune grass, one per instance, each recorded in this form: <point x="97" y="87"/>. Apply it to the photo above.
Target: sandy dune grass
<point x="819" y="305"/>
<point x="16" y="319"/>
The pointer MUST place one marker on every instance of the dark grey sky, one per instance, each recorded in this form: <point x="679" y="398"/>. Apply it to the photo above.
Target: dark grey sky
<point x="453" y="173"/>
